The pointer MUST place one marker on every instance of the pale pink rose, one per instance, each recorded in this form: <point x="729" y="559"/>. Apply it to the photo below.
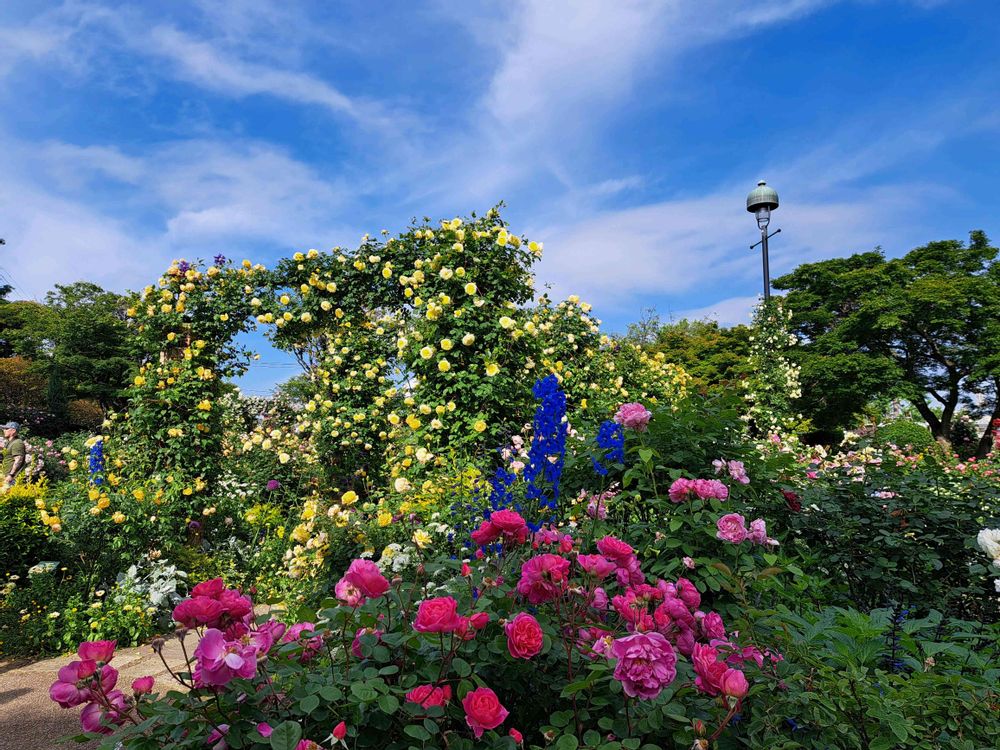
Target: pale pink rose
<point x="731" y="528"/>
<point x="633" y="416"/>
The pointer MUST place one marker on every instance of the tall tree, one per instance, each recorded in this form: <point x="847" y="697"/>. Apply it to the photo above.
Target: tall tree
<point x="925" y="327"/>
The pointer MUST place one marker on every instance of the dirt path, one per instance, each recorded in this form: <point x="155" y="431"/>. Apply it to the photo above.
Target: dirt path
<point x="29" y="720"/>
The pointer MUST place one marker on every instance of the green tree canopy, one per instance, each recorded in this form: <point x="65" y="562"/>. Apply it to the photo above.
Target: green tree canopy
<point x="714" y="356"/>
<point x="924" y="327"/>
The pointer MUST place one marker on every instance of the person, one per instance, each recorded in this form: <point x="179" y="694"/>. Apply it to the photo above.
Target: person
<point x="14" y="455"/>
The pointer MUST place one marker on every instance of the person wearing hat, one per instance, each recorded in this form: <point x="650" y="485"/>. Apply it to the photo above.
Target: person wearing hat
<point x="14" y="455"/>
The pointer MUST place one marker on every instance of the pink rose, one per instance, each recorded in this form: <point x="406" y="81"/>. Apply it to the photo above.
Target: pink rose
<point x="479" y="620"/>
<point x="758" y="531"/>
<point x="429" y="695"/>
<point x="218" y="661"/>
<point x="681" y="489"/>
<point x="365" y="575"/>
<point x="142" y="685"/>
<point x="264" y="729"/>
<point x="348" y="593"/>
<point x="439" y="615"/>
<point x="708" y="669"/>
<point x="543" y="578"/>
<point x="688" y="563"/>
<point x="731" y="528"/>
<point x="646" y="664"/>
<point x="99" y="651"/>
<point x="712" y="626"/>
<point x="615" y="549"/>
<point x="487" y="533"/>
<point x="516" y="736"/>
<point x="524" y="636"/>
<point x="633" y="416"/>
<point x="340" y="731"/>
<point x="734" y="683"/>
<point x="511" y="525"/>
<point x="596" y="565"/>
<point x="95" y="717"/>
<point x="483" y="710"/>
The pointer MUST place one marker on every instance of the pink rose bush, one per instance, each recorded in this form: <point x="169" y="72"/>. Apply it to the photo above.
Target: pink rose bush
<point x="683" y="489"/>
<point x="545" y="609"/>
<point x="732" y="528"/>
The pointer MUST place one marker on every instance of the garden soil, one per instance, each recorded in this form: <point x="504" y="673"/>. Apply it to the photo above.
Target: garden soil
<point x="29" y="720"/>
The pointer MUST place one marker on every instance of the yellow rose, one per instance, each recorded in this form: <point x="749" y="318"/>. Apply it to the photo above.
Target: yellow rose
<point x="421" y="538"/>
<point x="384" y="518"/>
<point x="468" y="339"/>
<point x="446" y="344"/>
<point x="471" y="288"/>
<point x="118" y="517"/>
<point x="492" y="369"/>
<point x="479" y="426"/>
<point x="427" y="352"/>
<point x="444" y="365"/>
<point x="506" y="322"/>
<point x="348" y="498"/>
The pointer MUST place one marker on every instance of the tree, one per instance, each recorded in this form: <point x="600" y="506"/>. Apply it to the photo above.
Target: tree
<point x="714" y="356"/>
<point x="91" y="356"/>
<point x="925" y="327"/>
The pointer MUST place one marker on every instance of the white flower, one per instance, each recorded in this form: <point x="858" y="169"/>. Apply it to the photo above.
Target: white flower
<point x="989" y="542"/>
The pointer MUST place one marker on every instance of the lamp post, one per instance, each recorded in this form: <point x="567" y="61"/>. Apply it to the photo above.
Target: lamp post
<point x="761" y="201"/>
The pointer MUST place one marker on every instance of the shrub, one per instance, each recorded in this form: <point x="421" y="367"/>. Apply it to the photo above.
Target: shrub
<point x="24" y="540"/>
<point x="905" y="433"/>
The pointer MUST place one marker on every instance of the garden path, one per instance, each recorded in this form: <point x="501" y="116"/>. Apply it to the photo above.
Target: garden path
<point x="29" y="720"/>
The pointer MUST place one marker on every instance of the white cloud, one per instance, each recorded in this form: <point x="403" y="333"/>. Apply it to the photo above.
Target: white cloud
<point x="728" y="312"/>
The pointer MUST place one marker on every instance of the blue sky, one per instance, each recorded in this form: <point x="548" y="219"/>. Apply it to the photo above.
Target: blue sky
<point x="623" y="134"/>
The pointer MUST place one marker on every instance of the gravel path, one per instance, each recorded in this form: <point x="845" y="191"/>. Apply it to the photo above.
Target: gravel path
<point x="29" y="720"/>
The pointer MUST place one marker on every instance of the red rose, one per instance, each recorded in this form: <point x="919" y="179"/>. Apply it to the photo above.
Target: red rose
<point x="439" y="615"/>
<point x="340" y="731"/>
<point x="429" y="695"/>
<point x="483" y="710"/>
<point x="524" y="636"/>
<point x="516" y="736"/>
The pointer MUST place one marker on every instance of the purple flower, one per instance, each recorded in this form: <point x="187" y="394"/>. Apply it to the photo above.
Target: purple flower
<point x="272" y="485"/>
<point x="219" y="259"/>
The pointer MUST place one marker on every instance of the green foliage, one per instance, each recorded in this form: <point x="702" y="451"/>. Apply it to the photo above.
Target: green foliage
<point x="882" y="680"/>
<point x="714" y="356"/>
<point x="24" y="541"/>
<point x="888" y="534"/>
<point x="904" y="432"/>
<point x="923" y="327"/>
<point x="773" y="385"/>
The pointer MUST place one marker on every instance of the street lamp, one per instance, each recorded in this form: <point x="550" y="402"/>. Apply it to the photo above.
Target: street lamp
<point x="761" y="201"/>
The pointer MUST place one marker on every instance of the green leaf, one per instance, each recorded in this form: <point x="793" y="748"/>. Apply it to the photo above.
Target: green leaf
<point x="417" y="732"/>
<point x="645" y="454"/>
<point x="461" y="666"/>
<point x="309" y="704"/>
<point x="567" y="742"/>
<point x="286" y="736"/>
<point x="388" y="703"/>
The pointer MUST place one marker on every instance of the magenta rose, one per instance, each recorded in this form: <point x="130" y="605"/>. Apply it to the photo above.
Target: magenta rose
<point x="95" y="717"/>
<point x="633" y="416"/>
<point x="99" y="651"/>
<point x="511" y="525"/>
<point x="543" y="578"/>
<point x="212" y="588"/>
<point x="487" y="533"/>
<point x="524" y="636"/>
<point x="731" y="528"/>
<point x="615" y="549"/>
<point x="483" y="710"/>
<point x="429" y="695"/>
<point x="596" y="565"/>
<point x="646" y="664"/>
<point x="367" y="577"/>
<point x="142" y="685"/>
<point x="438" y="615"/>
<point x="712" y="626"/>
<point x="198" y="611"/>
<point x="219" y="661"/>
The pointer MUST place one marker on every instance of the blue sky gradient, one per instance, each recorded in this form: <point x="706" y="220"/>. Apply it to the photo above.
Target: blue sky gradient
<point x="624" y="135"/>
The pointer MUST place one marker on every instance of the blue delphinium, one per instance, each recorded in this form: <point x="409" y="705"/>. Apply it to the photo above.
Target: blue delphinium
<point x="96" y="463"/>
<point x="547" y="453"/>
<point x="611" y="441"/>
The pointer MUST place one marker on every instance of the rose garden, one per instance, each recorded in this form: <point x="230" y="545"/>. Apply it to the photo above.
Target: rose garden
<point x="478" y="521"/>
